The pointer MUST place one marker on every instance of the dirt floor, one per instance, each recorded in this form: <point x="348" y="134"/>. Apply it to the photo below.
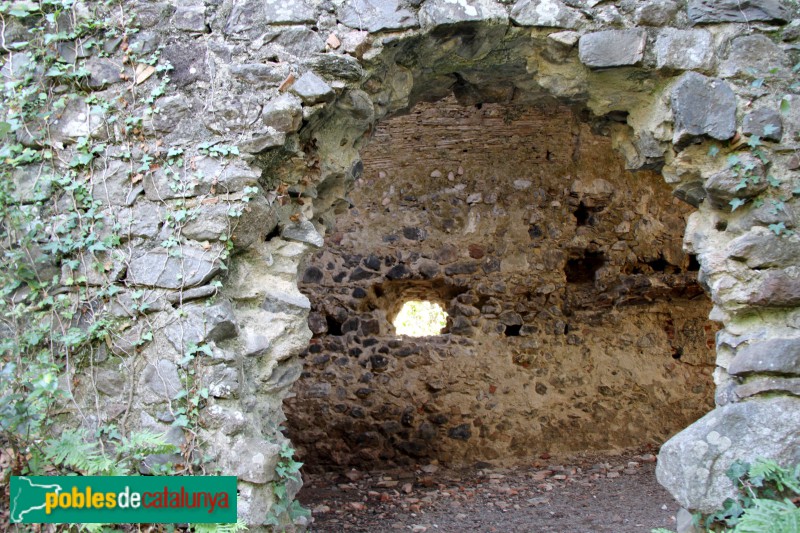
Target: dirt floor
<point x="585" y="493"/>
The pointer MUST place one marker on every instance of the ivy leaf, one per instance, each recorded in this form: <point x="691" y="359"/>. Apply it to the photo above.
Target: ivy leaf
<point x="736" y="203"/>
<point x="785" y="105"/>
<point x="777" y="228"/>
<point x="773" y="180"/>
<point x="754" y="141"/>
<point x="5" y="127"/>
<point x="713" y="151"/>
<point x="769" y="129"/>
<point x="733" y="160"/>
<point x="741" y="185"/>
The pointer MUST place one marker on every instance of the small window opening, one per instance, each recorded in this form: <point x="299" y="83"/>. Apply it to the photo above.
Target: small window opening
<point x="420" y="319"/>
<point x="582" y="269"/>
<point x="513" y="331"/>
<point x="334" y="326"/>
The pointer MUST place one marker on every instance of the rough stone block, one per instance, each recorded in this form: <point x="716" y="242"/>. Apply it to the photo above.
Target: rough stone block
<point x="158" y="268"/>
<point x="772" y="384"/>
<point x="312" y="89"/>
<point x="377" y="15"/>
<point x="612" y="48"/>
<point x="162" y="379"/>
<point x="705" y="11"/>
<point x="252" y="460"/>
<point x="684" y="49"/>
<point x="727" y="184"/>
<point x="202" y="323"/>
<point x="252" y="17"/>
<point x="778" y="288"/>
<point x="545" y="13"/>
<point x="754" y="56"/>
<point x="231" y="114"/>
<point x="702" y="106"/>
<point x="779" y="356"/>
<point x="303" y="232"/>
<point x="283" y="114"/>
<point x="692" y="464"/>
<point x="765" y="123"/>
<point x="190" y="18"/>
<point x="760" y="248"/>
<point x="655" y="12"/>
<point x="440" y="12"/>
<point x="102" y="73"/>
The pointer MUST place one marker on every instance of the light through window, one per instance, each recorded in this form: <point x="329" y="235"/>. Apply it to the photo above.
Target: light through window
<point x="420" y="319"/>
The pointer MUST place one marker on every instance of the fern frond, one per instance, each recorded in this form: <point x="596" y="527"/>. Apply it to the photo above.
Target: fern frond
<point x="770" y="516"/>
<point x="140" y="444"/>
<point x="72" y="450"/>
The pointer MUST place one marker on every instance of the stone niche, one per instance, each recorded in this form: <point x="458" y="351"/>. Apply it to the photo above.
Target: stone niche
<point x="575" y="319"/>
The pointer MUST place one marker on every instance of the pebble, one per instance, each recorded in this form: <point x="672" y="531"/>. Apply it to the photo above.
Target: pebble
<point x="436" y="174"/>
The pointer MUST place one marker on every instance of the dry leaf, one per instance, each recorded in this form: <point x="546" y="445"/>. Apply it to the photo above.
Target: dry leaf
<point x="287" y="82"/>
<point x="143" y="72"/>
<point x="137" y="178"/>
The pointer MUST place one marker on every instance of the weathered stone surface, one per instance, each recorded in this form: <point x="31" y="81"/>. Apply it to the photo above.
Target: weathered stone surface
<point x="250" y="17"/>
<point x="762" y="248"/>
<point x="702" y="106"/>
<point x="779" y="356"/>
<point x="754" y="56"/>
<point x="143" y="220"/>
<point x="162" y="379"/>
<point x="769" y="384"/>
<point x="778" y="288"/>
<point x="102" y="73"/>
<point x="202" y="323"/>
<point x="77" y="120"/>
<point x="765" y="123"/>
<point x="285" y="298"/>
<point x="545" y="13"/>
<point x="743" y="180"/>
<point x="190" y="18"/>
<point x="704" y="11"/>
<point x="231" y="114"/>
<point x="203" y="172"/>
<point x="691" y="192"/>
<point x="172" y="110"/>
<point x="261" y="74"/>
<point x="303" y="231"/>
<point x="252" y="460"/>
<point x="377" y="15"/>
<point x="439" y="12"/>
<point x="158" y="268"/>
<point x="209" y="223"/>
<point x="192" y="294"/>
<point x="692" y="464"/>
<point x="223" y="381"/>
<point x="655" y="12"/>
<point x="684" y="49"/>
<point x="612" y="48"/>
<point x="189" y="62"/>
<point x="284" y="113"/>
<point x="312" y="89"/>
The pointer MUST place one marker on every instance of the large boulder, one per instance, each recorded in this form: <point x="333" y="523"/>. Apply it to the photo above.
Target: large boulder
<point x="702" y="106"/>
<point x="692" y="464"/>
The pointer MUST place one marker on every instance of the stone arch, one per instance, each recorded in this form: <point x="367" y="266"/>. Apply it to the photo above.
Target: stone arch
<point x="296" y="87"/>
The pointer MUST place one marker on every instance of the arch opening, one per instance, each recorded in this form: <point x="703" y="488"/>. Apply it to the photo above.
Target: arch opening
<point x="559" y="326"/>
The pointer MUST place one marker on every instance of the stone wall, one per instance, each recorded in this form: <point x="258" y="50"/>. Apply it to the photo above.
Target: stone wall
<point x="575" y="318"/>
<point x="221" y="175"/>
